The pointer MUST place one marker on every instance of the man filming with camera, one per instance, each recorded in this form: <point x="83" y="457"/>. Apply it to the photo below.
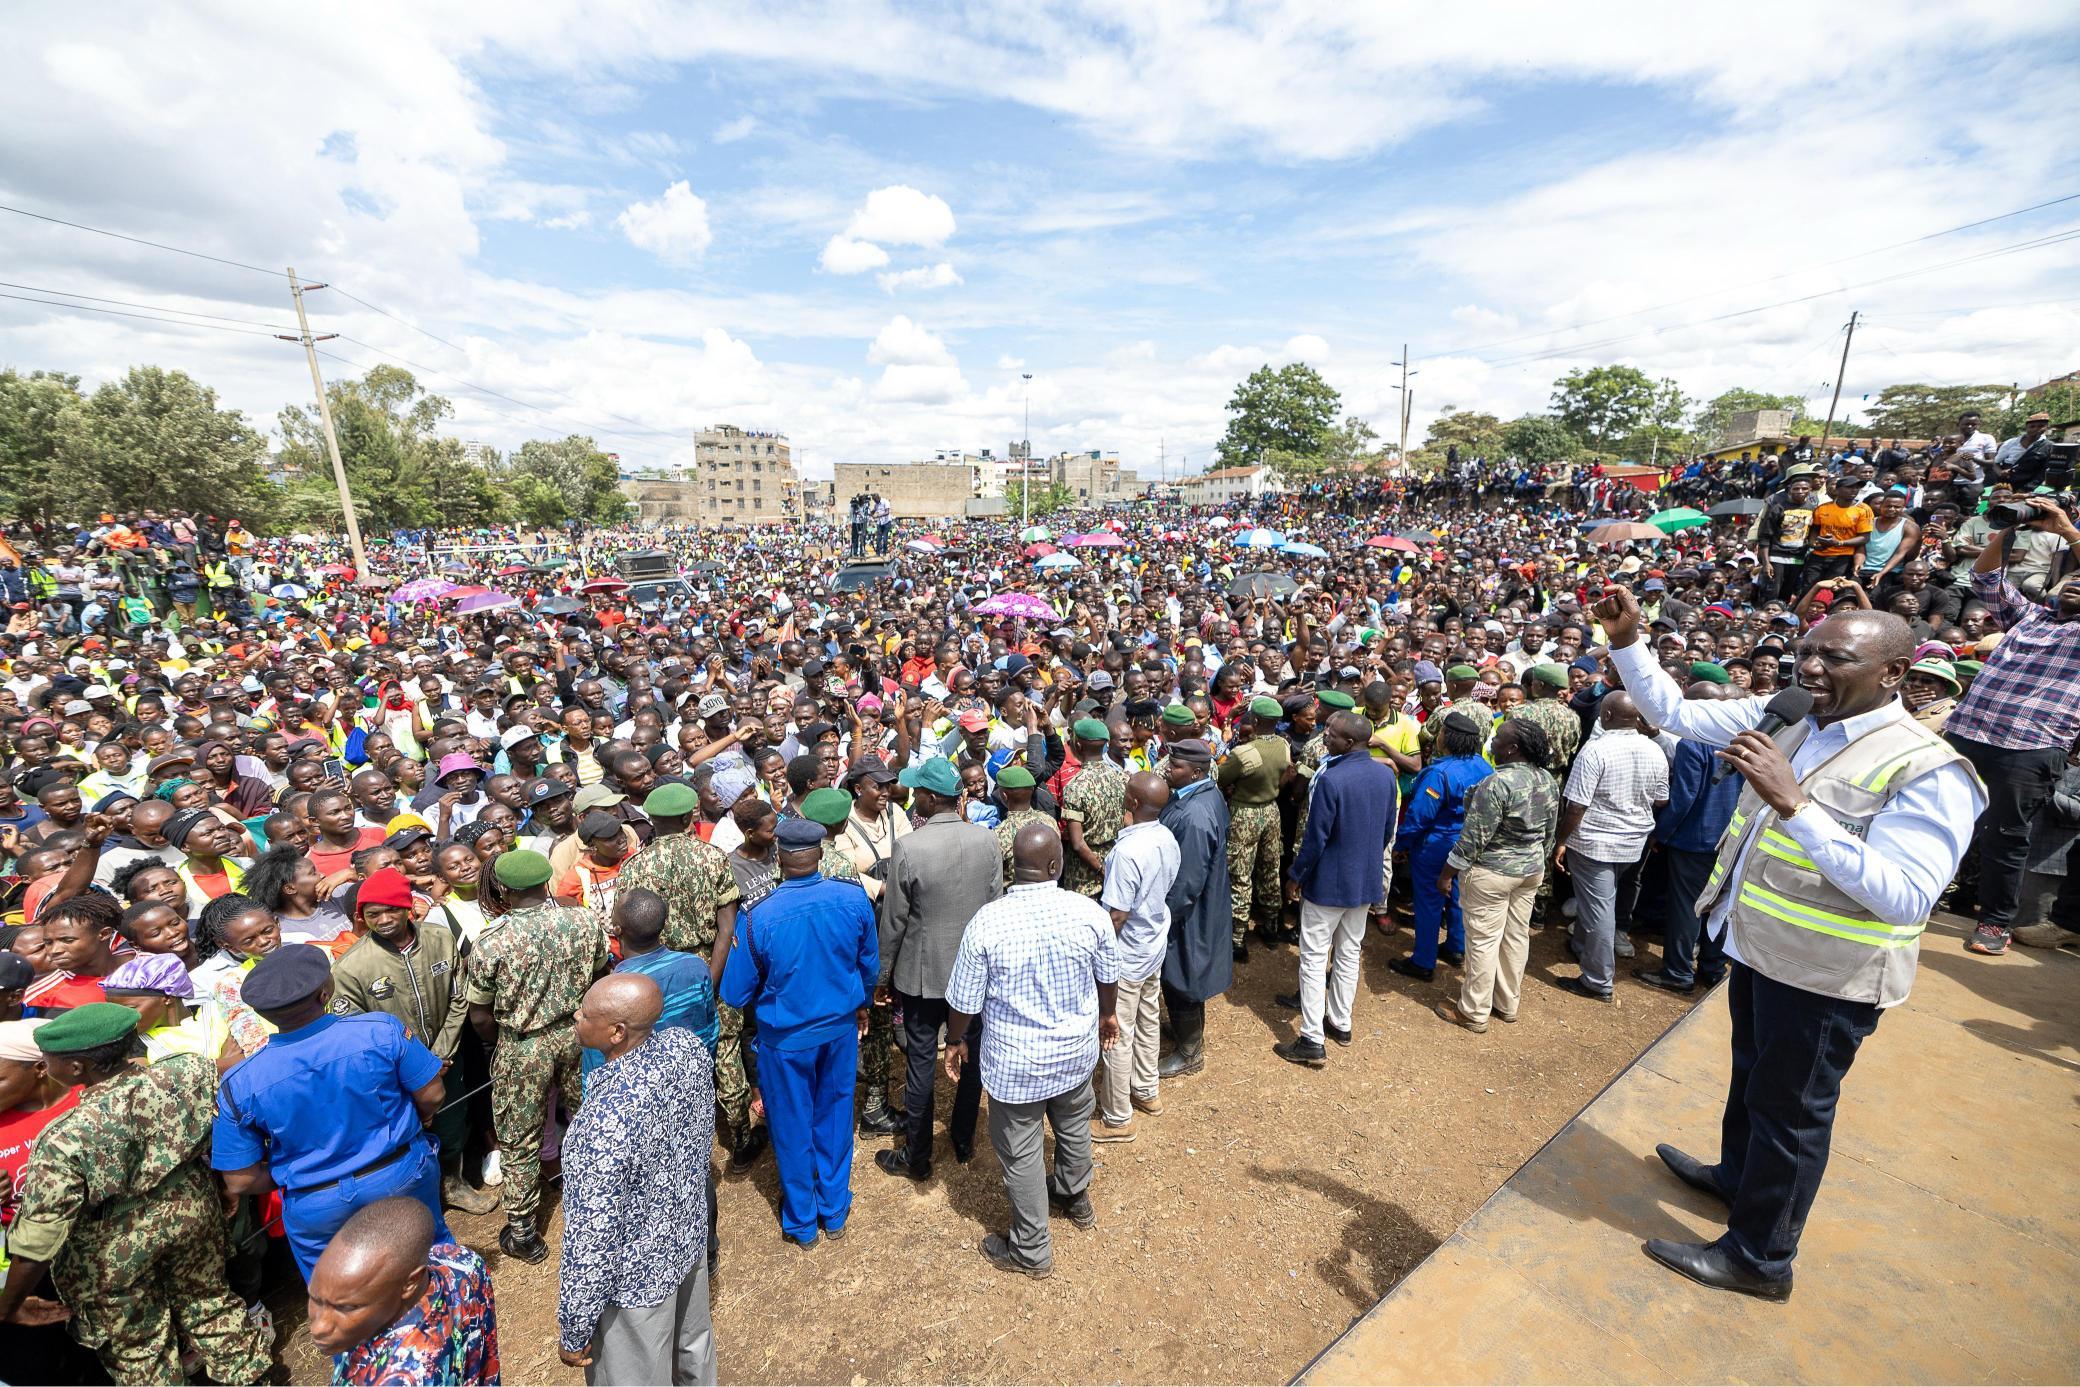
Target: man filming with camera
<point x="1851" y="822"/>
<point x="2022" y="714"/>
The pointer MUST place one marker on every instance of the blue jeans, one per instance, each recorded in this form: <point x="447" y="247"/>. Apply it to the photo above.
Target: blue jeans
<point x="1684" y="936"/>
<point x="311" y="1218"/>
<point x="808" y="1097"/>
<point x="1791" y="1049"/>
<point x="1434" y="909"/>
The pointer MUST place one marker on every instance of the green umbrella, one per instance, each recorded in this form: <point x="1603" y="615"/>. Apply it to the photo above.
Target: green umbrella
<point x="1036" y="534"/>
<point x="1681" y="518"/>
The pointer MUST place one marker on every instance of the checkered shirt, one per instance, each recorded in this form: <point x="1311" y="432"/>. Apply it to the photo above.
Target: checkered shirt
<point x="1618" y="778"/>
<point x="2028" y="696"/>
<point x="1029" y="965"/>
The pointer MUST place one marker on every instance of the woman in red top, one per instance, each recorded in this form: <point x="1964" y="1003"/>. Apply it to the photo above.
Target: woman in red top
<point x="29" y="1101"/>
<point x="85" y="947"/>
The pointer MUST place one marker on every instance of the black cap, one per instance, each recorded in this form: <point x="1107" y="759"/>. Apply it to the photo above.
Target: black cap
<point x="546" y="787"/>
<point x="285" y="977"/>
<point x="796" y="834"/>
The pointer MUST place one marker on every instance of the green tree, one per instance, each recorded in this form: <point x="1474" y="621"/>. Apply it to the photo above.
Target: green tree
<point x="1714" y="418"/>
<point x="1926" y="411"/>
<point x="1473" y="433"/>
<point x="156" y="439"/>
<point x="1048" y="497"/>
<point x="36" y="413"/>
<point x="401" y="471"/>
<point x="1604" y="405"/>
<point x="1538" y="440"/>
<point x="587" y="479"/>
<point x="1290" y="409"/>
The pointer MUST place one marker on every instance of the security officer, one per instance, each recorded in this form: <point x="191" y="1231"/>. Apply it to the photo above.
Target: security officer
<point x="1094" y="808"/>
<point x="807" y="956"/>
<point x="398" y="969"/>
<point x="831" y="808"/>
<point x="333" y="1110"/>
<point x="526" y="980"/>
<point x="1250" y="777"/>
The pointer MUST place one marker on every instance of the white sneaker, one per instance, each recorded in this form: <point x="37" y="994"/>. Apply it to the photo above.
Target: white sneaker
<point x="494" y="1173"/>
<point x="262" y="1319"/>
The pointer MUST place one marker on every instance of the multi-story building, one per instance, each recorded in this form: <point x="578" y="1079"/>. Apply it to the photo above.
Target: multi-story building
<point x="1093" y="477"/>
<point x="1226" y="485"/>
<point x="477" y="453"/>
<point x="744" y="477"/>
<point x="915" y="490"/>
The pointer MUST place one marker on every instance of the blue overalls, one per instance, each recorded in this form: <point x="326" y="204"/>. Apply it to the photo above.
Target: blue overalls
<point x="1436" y="813"/>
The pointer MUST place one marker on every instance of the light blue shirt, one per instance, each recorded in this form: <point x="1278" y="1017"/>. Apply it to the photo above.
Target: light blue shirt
<point x="1899" y="868"/>
<point x="1138" y="873"/>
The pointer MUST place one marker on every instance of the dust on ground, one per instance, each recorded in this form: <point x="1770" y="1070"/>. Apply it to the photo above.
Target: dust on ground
<point x="1244" y="1228"/>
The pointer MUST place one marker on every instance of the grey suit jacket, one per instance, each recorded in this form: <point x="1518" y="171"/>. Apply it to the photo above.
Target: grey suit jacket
<point x="939" y="875"/>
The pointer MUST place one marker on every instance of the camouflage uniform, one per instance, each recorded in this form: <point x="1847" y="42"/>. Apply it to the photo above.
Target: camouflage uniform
<point x="1096" y="799"/>
<point x="1307" y="763"/>
<point x="1563" y="729"/>
<point x="1433" y="726"/>
<point x="1250" y="777"/>
<point x="119" y="1199"/>
<point x="1007" y="834"/>
<point x="532" y="971"/>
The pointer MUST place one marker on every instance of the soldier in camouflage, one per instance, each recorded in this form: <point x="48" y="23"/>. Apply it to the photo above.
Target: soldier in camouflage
<point x="1017" y="785"/>
<point x="526" y="979"/>
<point x="1459" y="682"/>
<point x="119" y="1206"/>
<point x="1094" y="807"/>
<point x="1545" y="703"/>
<point x="1251" y="777"/>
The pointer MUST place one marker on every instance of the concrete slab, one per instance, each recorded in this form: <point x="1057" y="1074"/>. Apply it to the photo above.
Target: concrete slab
<point x="1945" y="1246"/>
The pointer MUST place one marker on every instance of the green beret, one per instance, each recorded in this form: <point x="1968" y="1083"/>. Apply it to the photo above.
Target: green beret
<point x="1016" y="778"/>
<point x="1968" y="668"/>
<point x="1462" y="672"/>
<point x="1177" y="715"/>
<point x="1556" y="675"/>
<point x="1091" y="730"/>
<point x="827" y="807"/>
<point x="521" y="869"/>
<point x="1336" y="698"/>
<point x="1709" y="672"/>
<point x="671" y="802"/>
<point x="84" y="1028"/>
<point x="1263" y="707"/>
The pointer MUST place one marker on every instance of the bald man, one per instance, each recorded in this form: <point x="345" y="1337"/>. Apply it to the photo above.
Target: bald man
<point x="145" y="842"/>
<point x="400" y="1306"/>
<point x="1618" y="782"/>
<point x="632" y="1302"/>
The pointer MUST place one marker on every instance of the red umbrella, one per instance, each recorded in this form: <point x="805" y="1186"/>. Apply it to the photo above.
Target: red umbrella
<point x="336" y="570"/>
<point x="1039" y="551"/>
<point x="1406" y="546"/>
<point x="612" y="585"/>
<point x="457" y="594"/>
<point x="511" y="570"/>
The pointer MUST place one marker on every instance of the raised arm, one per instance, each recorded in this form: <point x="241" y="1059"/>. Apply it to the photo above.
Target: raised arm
<point x="1712" y="721"/>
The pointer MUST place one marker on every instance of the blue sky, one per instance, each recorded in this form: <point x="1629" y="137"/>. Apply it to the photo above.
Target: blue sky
<point x="862" y="223"/>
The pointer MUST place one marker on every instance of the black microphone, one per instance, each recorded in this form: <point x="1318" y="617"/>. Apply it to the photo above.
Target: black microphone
<point x="1789" y="706"/>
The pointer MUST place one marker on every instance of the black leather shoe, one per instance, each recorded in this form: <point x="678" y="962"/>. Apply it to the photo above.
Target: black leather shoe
<point x="1179" y="1063"/>
<point x="1705" y="1264"/>
<point x="898" y="1163"/>
<point x="876" y="1120"/>
<point x="1582" y="989"/>
<point x="963" y="1154"/>
<point x="1455" y="957"/>
<point x="1289" y="1000"/>
<point x="1078" y="1210"/>
<point x="1693" y="1172"/>
<point x="997" y="1248"/>
<point x="519" y="1239"/>
<point x="1242" y="953"/>
<point x="1301" y="1050"/>
<point x="1340" y="1037"/>
<point x="1657" y="977"/>
<point x="1409" y="970"/>
<point x="748" y="1147"/>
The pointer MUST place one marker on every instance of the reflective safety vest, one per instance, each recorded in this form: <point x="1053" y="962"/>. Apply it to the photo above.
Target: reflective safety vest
<point x="1788" y="921"/>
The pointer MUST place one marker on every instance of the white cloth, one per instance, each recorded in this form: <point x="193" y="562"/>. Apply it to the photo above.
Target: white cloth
<point x="1912" y="847"/>
<point x="1138" y="873"/>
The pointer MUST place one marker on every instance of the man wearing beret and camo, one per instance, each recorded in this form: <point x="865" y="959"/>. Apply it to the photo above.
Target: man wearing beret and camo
<point x="1459" y="682"/>
<point x="1250" y="777"/>
<point x="119" y="1207"/>
<point x="1094" y="808"/>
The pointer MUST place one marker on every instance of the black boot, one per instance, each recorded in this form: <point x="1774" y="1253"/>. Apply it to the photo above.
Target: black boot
<point x="1188" y="1020"/>
<point x="876" y="1120"/>
<point x="520" y="1239"/>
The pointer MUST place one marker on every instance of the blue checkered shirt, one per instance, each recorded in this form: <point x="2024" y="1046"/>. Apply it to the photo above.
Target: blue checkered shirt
<point x="2028" y="696"/>
<point x="1029" y="965"/>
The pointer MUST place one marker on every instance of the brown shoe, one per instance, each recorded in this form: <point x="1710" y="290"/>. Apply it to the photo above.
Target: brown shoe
<point x="1151" y="1105"/>
<point x="1101" y="1130"/>
<point x="1448" y="1010"/>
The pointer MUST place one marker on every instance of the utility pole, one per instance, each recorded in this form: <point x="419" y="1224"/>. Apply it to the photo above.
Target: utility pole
<point x="1407" y="402"/>
<point x="1025" y="487"/>
<point x="1839" y="371"/>
<point x="339" y="469"/>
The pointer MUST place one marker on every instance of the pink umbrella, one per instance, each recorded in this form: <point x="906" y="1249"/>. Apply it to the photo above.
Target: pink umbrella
<point x="1406" y="546"/>
<point x="486" y="601"/>
<point x="604" y="585"/>
<point x="335" y="570"/>
<point x="1100" y="539"/>
<point x="1039" y="551"/>
<point x="423" y="590"/>
<point x="1019" y="604"/>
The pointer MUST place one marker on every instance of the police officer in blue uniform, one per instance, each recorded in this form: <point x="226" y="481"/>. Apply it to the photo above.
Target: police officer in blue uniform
<point x="1430" y="830"/>
<point x="807" y="956"/>
<point x="333" y="1110"/>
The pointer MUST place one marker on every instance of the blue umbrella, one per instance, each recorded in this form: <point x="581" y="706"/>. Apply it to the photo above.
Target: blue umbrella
<point x="290" y="592"/>
<point x="1263" y="539"/>
<point x="1059" y="560"/>
<point x="1305" y="551"/>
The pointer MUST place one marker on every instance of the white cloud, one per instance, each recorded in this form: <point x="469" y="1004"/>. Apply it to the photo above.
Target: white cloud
<point x="731" y="131"/>
<point x="939" y="276"/>
<point x="1307" y="347"/>
<point x="904" y="343"/>
<point x="902" y="216"/>
<point x="674" y="228"/>
<point x="844" y="256"/>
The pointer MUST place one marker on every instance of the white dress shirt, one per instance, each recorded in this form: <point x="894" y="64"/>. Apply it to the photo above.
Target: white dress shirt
<point x="1912" y="848"/>
<point x="1138" y="873"/>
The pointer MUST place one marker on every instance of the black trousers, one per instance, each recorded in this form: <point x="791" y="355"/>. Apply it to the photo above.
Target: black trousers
<point x="922" y="1018"/>
<point x="1791" y="1049"/>
<point x="1688" y="952"/>
<point x="2018" y="785"/>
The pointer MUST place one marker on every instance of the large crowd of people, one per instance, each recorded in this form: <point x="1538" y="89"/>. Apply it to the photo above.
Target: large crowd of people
<point x="340" y="900"/>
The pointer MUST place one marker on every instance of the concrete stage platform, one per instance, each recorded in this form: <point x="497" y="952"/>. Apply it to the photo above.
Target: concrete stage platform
<point x="1945" y="1245"/>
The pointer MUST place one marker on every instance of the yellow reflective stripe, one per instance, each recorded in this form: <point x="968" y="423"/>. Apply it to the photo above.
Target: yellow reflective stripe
<point x="1784" y="846"/>
<point x="1878" y="778"/>
<point x="1875" y="933"/>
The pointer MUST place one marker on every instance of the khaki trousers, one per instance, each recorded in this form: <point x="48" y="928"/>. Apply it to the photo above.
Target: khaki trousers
<point x="1497" y="909"/>
<point x="1128" y="1069"/>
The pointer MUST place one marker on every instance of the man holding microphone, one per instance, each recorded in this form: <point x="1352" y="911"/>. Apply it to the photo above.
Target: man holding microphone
<point x="1853" y="820"/>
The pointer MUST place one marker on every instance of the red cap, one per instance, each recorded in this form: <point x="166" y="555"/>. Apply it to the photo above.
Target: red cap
<point x="386" y="886"/>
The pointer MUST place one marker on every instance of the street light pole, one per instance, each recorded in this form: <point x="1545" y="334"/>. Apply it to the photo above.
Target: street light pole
<point x="1025" y="485"/>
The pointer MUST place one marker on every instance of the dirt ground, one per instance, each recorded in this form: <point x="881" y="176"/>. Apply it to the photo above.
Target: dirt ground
<point x="1246" y="1226"/>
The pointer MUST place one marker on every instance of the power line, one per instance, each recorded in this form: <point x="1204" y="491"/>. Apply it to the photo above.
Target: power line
<point x="138" y="240"/>
<point x="155" y="307"/>
<point x="1772" y="279"/>
<point x="119" y="313"/>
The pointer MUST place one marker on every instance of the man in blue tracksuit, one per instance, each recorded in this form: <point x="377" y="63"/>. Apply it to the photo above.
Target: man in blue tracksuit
<point x="807" y="957"/>
<point x="1436" y="813"/>
<point x="1688" y="829"/>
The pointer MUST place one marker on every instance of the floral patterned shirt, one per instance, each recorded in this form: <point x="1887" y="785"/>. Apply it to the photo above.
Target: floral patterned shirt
<point x="449" y="1338"/>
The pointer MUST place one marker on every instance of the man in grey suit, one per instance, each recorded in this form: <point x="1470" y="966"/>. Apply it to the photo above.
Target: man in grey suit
<point x="939" y="875"/>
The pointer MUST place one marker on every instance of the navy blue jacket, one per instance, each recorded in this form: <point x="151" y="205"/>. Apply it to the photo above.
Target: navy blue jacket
<point x="1351" y="810"/>
<point x="1697" y="811"/>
